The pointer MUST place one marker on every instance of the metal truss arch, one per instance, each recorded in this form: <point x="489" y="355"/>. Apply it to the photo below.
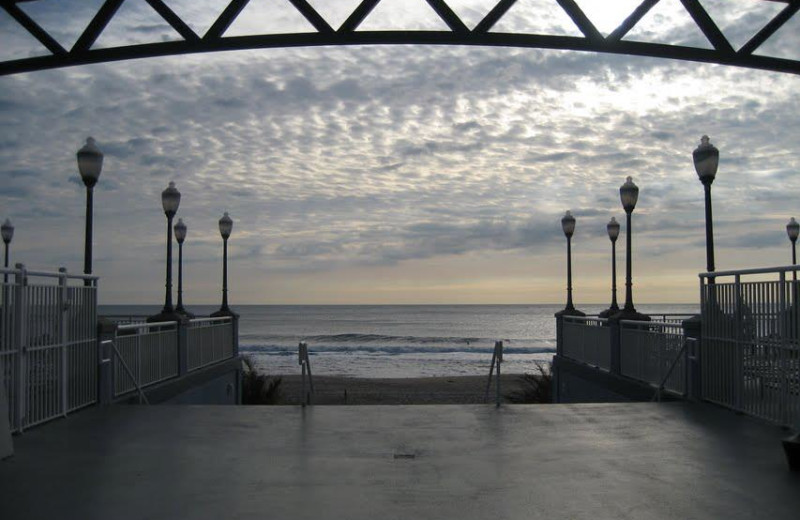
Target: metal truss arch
<point x="82" y="52"/>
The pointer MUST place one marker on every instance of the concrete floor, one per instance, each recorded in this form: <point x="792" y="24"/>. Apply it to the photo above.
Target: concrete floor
<point x="642" y="461"/>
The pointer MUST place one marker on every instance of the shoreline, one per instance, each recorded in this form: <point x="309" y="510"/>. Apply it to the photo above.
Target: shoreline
<point x="342" y="390"/>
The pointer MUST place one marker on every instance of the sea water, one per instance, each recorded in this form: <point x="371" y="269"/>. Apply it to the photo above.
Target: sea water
<point x="397" y="340"/>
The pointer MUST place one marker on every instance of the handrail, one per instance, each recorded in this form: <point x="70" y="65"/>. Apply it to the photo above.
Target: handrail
<point x="497" y="358"/>
<point x="210" y="320"/>
<point x="759" y="270"/>
<point x="660" y="387"/>
<point x="48" y="274"/>
<point x="133" y="326"/>
<point x="305" y="364"/>
<point x="128" y="371"/>
<point x="655" y="324"/>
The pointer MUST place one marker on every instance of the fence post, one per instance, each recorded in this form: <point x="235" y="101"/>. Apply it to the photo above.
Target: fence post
<point x="21" y="280"/>
<point x="106" y="330"/>
<point x="692" y="332"/>
<point x="62" y="337"/>
<point x="615" y="339"/>
<point x="559" y="334"/>
<point x="183" y="346"/>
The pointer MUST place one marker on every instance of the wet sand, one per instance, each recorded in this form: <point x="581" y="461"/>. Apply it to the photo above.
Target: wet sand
<point x="422" y="390"/>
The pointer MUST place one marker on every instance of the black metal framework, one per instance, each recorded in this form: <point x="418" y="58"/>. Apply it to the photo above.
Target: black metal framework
<point x="82" y="52"/>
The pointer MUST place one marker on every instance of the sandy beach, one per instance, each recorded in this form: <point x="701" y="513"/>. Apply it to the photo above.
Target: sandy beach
<point x="426" y="390"/>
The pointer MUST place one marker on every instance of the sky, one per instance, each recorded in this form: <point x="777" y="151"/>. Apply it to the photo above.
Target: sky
<point x="400" y="174"/>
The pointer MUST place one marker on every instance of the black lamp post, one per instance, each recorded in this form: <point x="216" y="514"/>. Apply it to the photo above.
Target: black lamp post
<point x="170" y="200"/>
<point x="225" y="227"/>
<point x="706" y="161"/>
<point x="8" y="233"/>
<point x="180" y="236"/>
<point x="90" y="164"/>
<point x="568" y="226"/>
<point x="629" y="195"/>
<point x="792" y="229"/>
<point x="613" y="233"/>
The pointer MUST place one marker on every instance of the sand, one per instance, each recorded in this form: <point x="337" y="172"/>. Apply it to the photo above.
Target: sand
<point x="423" y="390"/>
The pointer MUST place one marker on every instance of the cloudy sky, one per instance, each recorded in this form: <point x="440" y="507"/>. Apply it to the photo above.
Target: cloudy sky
<point x="391" y="174"/>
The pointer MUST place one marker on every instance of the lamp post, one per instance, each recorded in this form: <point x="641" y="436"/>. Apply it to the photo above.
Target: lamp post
<point x="7" y="231"/>
<point x="90" y="164"/>
<point x="225" y="227"/>
<point x="170" y="200"/>
<point x="613" y="233"/>
<point x="568" y="226"/>
<point x="792" y="229"/>
<point x="706" y="161"/>
<point x="629" y="195"/>
<point x="180" y="236"/>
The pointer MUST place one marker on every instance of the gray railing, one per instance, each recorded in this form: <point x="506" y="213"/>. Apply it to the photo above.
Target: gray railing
<point x="751" y="342"/>
<point x="587" y="339"/>
<point x="653" y="352"/>
<point x="149" y="351"/>
<point x="48" y="344"/>
<point x="209" y="340"/>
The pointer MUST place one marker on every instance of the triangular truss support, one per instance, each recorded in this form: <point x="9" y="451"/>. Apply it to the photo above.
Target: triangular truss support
<point x="323" y="34"/>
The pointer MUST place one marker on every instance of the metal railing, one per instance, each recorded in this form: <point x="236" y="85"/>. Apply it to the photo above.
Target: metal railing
<point x="587" y="339"/>
<point x="751" y="342"/>
<point x="208" y="340"/>
<point x="48" y="344"/>
<point x="655" y="353"/>
<point x="149" y="351"/>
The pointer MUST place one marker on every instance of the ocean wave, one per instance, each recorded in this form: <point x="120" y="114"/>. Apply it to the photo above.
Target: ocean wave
<point x="354" y="338"/>
<point x="391" y="350"/>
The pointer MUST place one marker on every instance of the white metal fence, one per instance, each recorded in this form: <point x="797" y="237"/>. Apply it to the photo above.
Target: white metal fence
<point x="208" y="340"/>
<point x="149" y="350"/>
<point x="654" y="352"/>
<point x="588" y="340"/>
<point x="48" y="344"/>
<point x="750" y="350"/>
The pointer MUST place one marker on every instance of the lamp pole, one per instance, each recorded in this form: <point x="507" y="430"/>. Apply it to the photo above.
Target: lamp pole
<point x="170" y="200"/>
<point x="225" y="228"/>
<point x="180" y="236"/>
<point x="7" y="231"/>
<point x="706" y="162"/>
<point x="613" y="233"/>
<point x="793" y="229"/>
<point x="629" y="195"/>
<point x="90" y="164"/>
<point x="568" y="227"/>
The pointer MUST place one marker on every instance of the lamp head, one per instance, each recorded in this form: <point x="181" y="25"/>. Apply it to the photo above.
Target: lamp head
<point x="793" y="229"/>
<point x="629" y="195"/>
<point x="225" y="226"/>
<point x="170" y="200"/>
<point x="706" y="161"/>
<point x="180" y="231"/>
<point x="7" y="231"/>
<point x="613" y="229"/>
<point x="90" y="163"/>
<point x="568" y="224"/>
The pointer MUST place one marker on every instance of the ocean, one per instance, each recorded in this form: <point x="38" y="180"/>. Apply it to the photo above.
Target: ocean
<point x="396" y="340"/>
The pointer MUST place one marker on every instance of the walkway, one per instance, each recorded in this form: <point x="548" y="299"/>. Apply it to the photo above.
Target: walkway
<point x="642" y="461"/>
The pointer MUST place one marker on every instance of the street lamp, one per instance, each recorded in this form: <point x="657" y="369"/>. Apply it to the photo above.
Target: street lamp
<point x="706" y="161"/>
<point x="793" y="229"/>
<point x="225" y="227"/>
<point x="7" y="231"/>
<point x="629" y="195"/>
<point x="568" y="226"/>
<point x="613" y="233"/>
<point x="180" y="236"/>
<point x="170" y="200"/>
<point x="90" y="164"/>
